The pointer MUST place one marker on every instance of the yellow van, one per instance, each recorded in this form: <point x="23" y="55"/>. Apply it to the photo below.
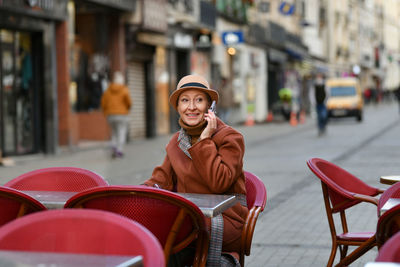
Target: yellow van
<point x="344" y="98"/>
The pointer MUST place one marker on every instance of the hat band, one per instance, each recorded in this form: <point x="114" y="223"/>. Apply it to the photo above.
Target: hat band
<point x="194" y="85"/>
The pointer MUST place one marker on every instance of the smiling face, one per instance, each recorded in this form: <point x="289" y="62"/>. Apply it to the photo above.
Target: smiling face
<point x="192" y="105"/>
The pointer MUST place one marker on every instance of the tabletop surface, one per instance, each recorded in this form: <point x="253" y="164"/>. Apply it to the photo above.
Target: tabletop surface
<point x="390" y="203"/>
<point x="382" y="264"/>
<point x="390" y="179"/>
<point x="29" y="258"/>
<point x="210" y="204"/>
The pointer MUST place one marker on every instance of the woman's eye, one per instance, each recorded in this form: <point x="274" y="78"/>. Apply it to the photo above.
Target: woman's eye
<point x="184" y="100"/>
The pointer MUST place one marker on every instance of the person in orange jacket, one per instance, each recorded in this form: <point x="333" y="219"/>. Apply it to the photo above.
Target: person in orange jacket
<point x="116" y="103"/>
<point x="206" y="157"/>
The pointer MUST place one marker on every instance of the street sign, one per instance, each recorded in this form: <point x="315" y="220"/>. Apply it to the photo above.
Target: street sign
<point x="232" y="37"/>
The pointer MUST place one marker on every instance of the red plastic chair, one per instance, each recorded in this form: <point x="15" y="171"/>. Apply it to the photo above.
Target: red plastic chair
<point x="256" y="197"/>
<point x="341" y="191"/>
<point x="14" y="204"/>
<point x="69" y="179"/>
<point x="388" y="225"/>
<point x="392" y="192"/>
<point x="82" y="232"/>
<point x="390" y="251"/>
<point x="175" y="221"/>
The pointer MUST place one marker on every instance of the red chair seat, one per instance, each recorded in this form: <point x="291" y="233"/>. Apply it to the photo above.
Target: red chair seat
<point x="356" y="236"/>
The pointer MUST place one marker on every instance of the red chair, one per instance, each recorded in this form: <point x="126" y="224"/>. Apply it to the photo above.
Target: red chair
<point x="392" y="192"/>
<point x="256" y="197"/>
<point x="388" y="225"/>
<point x="14" y="204"/>
<point x="341" y="191"/>
<point x="390" y="251"/>
<point x="175" y="221"/>
<point x="69" y="179"/>
<point x="81" y="232"/>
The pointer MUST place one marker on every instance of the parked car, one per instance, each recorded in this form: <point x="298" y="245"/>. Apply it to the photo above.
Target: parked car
<point x="345" y="98"/>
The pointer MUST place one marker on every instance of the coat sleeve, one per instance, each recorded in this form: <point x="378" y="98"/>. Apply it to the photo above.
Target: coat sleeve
<point x="219" y="166"/>
<point x="163" y="175"/>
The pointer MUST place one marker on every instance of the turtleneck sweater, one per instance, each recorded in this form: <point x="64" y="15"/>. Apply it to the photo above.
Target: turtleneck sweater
<point x="193" y="131"/>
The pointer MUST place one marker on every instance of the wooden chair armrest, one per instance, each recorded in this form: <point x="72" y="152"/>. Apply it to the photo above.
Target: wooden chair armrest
<point x="366" y="198"/>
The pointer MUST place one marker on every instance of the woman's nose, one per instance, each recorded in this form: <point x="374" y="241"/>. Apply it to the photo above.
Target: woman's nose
<point x="192" y="105"/>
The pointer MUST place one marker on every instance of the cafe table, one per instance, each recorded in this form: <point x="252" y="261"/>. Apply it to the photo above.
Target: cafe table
<point x="39" y="258"/>
<point x="210" y="204"/>
<point x="390" y="203"/>
<point x="389" y="179"/>
<point x="382" y="264"/>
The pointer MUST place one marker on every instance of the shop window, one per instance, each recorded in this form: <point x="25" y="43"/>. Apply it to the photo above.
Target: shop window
<point x="90" y="62"/>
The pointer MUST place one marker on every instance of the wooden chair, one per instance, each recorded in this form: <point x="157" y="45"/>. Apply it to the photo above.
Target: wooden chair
<point x="175" y="221"/>
<point x="388" y="225"/>
<point x="256" y="198"/>
<point x="69" y="179"/>
<point x="341" y="191"/>
<point x="81" y="232"/>
<point x="390" y="251"/>
<point x="14" y="204"/>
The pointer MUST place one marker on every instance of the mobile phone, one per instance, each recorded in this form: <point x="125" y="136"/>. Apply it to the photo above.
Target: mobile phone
<point x="214" y="107"/>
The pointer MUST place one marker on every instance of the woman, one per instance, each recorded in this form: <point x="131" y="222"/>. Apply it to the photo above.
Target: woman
<point x="206" y="157"/>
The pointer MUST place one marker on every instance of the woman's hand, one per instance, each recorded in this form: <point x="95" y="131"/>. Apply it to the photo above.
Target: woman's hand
<point x="211" y="125"/>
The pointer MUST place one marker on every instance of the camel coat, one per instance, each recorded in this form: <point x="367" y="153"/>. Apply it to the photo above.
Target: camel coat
<point x="216" y="167"/>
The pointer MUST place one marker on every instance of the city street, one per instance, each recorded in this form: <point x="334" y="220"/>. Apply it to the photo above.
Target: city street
<point x="293" y="230"/>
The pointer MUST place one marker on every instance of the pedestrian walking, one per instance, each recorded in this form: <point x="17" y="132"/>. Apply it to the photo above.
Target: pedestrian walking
<point x="397" y="94"/>
<point x="205" y="157"/>
<point x="320" y="103"/>
<point x="116" y="103"/>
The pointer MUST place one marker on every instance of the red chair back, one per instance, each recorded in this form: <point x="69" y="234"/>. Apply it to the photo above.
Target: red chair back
<point x="69" y="179"/>
<point x="388" y="225"/>
<point x="390" y="251"/>
<point x="256" y="198"/>
<point x="256" y="193"/>
<point x="81" y="231"/>
<point x="392" y="192"/>
<point x="342" y="185"/>
<point x="175" y="221"/>
<point x="14" y="204"/>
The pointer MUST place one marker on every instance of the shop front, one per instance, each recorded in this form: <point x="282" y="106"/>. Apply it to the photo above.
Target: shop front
<point x="28" y="92"/>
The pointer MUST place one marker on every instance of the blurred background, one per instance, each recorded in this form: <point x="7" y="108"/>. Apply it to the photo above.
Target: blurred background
<point x="58" y="56"/>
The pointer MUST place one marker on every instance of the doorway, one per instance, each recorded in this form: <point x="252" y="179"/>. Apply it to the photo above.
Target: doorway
<point x="19" y="94"/>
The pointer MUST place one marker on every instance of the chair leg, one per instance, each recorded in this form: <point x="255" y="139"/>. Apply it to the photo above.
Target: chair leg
<point x="343" y="251"/>
<point x="332" y="256"/>
<point x="358" y="252"/>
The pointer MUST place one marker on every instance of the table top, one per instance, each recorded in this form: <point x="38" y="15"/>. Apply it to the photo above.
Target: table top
<point x="382" y="264"/>
<point x="30" y="258"/>
<point x="390" y="179"/>
<point x="51" y="199"/>
<point x="390" y="203"/>
<point x="210" y="204"/>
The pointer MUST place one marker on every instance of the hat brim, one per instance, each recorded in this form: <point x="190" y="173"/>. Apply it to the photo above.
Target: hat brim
<point x="173" y="99"/>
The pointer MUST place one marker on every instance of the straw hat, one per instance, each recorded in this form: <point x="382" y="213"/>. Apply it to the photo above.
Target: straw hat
<point x="192" y="82"/>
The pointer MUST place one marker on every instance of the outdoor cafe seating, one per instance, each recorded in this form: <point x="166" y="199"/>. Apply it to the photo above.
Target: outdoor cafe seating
<point x="341" y="191"/>
<point x="256" y="198"/>
<point x="388" y="225"/>
<point x="99" y="234"/>
<point x="174" y="220"/>
<point x="390" y="251"/>
<point x="14" y="204"/>
<point x="70" y="179"/>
